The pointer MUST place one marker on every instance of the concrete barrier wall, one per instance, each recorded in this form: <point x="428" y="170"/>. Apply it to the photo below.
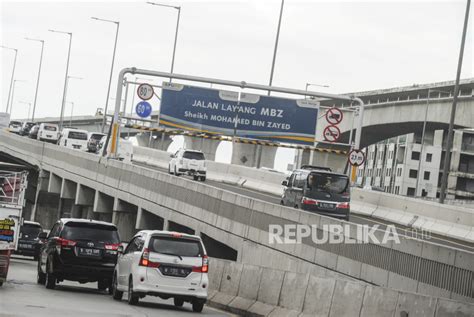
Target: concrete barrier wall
<point x="243" y="223"/>
<point x="251" y="290"/>
<point x="452" y="221"/>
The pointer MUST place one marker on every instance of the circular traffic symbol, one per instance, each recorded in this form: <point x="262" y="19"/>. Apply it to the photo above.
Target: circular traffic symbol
<point x="331" y="133"/>
<point x="145" y="91"/>
<point x="334" y="116"/>
<point x="143" y="109"/>
<point x="356" y="157"/>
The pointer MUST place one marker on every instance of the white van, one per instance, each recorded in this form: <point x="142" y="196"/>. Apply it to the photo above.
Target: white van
<point x="73" y="139"/>
<point x="48" y="132"/>
<point x="125" y="149"/>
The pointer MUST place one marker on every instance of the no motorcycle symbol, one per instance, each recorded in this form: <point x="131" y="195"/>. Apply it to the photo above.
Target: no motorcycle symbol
<point x="331" y="133"/>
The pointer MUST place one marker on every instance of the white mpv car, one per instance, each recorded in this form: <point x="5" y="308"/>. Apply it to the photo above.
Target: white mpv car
<point x="164" y="264"/>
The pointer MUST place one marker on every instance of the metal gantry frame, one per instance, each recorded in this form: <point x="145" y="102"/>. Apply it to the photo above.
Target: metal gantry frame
<point x="242" y="84"/>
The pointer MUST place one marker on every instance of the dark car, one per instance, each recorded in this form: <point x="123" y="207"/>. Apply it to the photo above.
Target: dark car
<point x="318" y="190"/>
<point x="33" y="134"/>
<point x="28" y="242"/>
<point x="79" y="250"/>
<point x="25" y="128"/>
<point x="93" y="142"/>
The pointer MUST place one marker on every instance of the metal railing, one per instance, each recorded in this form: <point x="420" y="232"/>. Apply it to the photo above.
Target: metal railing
<point x="12" y="187"/>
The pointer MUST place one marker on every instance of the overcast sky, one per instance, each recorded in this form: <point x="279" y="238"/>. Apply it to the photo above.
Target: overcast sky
<point x="349" y="45"/>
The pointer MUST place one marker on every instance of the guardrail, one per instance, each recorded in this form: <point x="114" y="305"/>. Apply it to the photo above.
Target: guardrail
<point x="411" y="265"/>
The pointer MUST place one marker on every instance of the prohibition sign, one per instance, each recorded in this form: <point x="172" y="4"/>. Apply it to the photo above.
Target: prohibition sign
<point x="356" y="157"/>
<point x="145" y="91"/>
<point x="331" y="133"/>
<point x="334" y="116"/>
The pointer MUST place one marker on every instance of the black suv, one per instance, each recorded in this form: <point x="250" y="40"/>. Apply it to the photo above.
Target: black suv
<point x="28" y="242"/>
<point x="79" y="250"/>
<point x="319" y="190"/>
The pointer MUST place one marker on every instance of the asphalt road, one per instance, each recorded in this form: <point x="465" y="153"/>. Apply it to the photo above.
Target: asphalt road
<point x="21" y="296"/>
<point x="402" y="230"/>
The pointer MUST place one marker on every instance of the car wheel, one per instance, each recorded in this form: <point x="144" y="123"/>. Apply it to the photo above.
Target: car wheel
<point x="116" y="294"/>
<point x="203" y="178"/>
<point x="196" y="178"/>
<point x="102" y="285"/>
<point x="50" y="278"/>
<point x="40" y="276"/>
<point x="175" y="172"/>
<point x="178" y="302"/>
<point x="198" y="306"/>
<point x="132" y="297"/>
<point x="169" y="170"/>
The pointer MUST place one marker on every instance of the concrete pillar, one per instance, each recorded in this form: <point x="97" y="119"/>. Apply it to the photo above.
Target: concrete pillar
<point x="55" y="184"/>
<point x="41" y="186"/>
<point x="103" y="202"/>
<point x="68" y="189"/>
<point x="208" y="147"/>
<point x="125" y="218"/>
<point x="148" y="221"/>
<point x="158" y="141"/>
<point x="246" y="155"/>
<point x="337" y="162"/>
<point x="85" y="196"/>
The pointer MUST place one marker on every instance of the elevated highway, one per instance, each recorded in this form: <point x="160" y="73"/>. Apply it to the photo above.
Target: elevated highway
<point x="234" y="226"/>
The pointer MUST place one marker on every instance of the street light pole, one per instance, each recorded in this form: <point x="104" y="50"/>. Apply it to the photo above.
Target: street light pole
<point x="13" y="74"/>
<point x="39" y="73"/>
<point x="423" y="135"/>
<point x="447" y="157"/>
<point x="63" y="103"/>
<point x="65" y="94"/>
<point x="276" y="45"/>
<point x="29" y="108"/>
<point x="72" y="111"/>
<point x="176" y="32"/>
<point x="13" y="93"/>
<point x="104" y="121"/>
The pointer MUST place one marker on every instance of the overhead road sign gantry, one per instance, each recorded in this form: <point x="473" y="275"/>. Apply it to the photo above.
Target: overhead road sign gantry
<point x="241" y="84"/>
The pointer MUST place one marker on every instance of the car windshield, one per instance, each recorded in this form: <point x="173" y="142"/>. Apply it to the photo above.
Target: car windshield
<point x="15" y="124"/>
<point x="176" y="246"/>
<point x="328" y="182"/>
<point x="193" y="155"/>
<point x="50" y="128"/>
<point x="96" y="136"/>
<point x="31" y="231"/>
<point x="76" y="135"/>
<point x="90" y="231"/>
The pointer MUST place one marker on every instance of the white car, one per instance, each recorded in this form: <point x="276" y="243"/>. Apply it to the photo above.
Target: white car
<point x="15" y="127"/>
<point x="164" y="264"/>
<point x="48" y="132"/>
<point x="190" y="162"/>
<point x="125" y="149"/>
<point x="73" y="139"/>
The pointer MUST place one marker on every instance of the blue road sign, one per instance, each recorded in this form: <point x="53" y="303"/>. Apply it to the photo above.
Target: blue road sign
<point x="251" y="116"/>
<point x="143" y="109"/>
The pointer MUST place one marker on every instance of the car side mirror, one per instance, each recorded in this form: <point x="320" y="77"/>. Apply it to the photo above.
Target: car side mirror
<point x="43" y="236"/>
<point x="285" y="183"/>
<point x="172" y="155"/>
<point x="120" y="249"/>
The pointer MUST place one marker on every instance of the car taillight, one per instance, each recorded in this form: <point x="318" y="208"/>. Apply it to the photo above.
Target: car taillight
<point x="65" y="242"/>
<point x="309" y="201"/>
<point x="345" y="205"/>
<point x="145" y="259"/>
<point x="113" y="247"/>
<point x="205" y="266"/>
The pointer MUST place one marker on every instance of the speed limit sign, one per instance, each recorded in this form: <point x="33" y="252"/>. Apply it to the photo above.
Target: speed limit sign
<point x="145" y="91"/>
<point x="356" y="157"/>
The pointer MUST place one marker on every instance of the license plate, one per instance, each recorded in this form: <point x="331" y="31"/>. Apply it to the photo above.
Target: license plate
<point x="49" y="136"/>
<point x="327" y="205"/>
<point x="26" y="246"/>
<point x="76" y="146"/>
<point x="175" y="271"/>
<point x="89" y="252"/>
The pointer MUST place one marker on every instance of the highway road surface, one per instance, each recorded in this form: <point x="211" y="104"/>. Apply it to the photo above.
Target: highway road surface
<point x="21" y="296"/>
<point x="363" y="220"/>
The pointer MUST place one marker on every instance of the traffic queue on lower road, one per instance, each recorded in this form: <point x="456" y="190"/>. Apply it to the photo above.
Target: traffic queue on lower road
<point x="153" y="263"/>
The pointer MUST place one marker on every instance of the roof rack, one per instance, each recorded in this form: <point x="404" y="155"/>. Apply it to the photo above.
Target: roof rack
<point x="313" y="167"/>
